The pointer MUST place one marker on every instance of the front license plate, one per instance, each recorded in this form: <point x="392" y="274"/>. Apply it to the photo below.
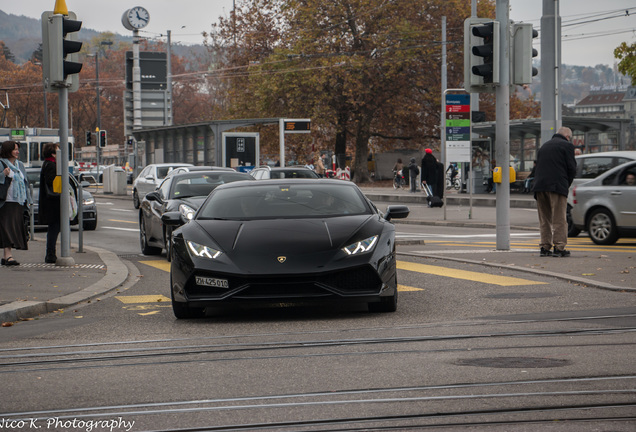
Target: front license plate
<point x="212" y="282"/>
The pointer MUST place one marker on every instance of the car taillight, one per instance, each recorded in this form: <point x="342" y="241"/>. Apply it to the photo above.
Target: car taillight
<point x="574" y="195"/>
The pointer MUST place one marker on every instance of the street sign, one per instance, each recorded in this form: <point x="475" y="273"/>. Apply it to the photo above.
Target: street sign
<point x="457" y="127"/>
<point x="297" y="125"/>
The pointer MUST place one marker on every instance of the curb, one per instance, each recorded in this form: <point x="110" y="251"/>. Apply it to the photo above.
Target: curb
<point x="116" y="275"/>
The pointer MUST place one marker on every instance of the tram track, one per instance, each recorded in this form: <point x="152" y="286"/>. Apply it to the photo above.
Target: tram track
<point x="521" y="401"/>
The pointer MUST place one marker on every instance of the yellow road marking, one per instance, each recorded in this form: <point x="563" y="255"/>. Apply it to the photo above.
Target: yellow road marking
<point x="123" y="221"/>
<point x="149" y="313"/>
<point x="404" y="288"/>
<point x="160" y="264"/>
<point x="143" y="299"/>
<point x="467" y="275"/>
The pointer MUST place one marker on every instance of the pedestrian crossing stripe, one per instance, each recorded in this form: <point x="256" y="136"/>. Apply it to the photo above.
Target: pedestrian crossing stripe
<point x="466" y="275"/>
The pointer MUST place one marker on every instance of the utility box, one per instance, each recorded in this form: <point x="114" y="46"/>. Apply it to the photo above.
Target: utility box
<point x="114" y="180"/>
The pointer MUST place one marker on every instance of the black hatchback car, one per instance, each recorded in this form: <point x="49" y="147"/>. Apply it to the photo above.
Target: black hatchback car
<point x="183" y="193"/>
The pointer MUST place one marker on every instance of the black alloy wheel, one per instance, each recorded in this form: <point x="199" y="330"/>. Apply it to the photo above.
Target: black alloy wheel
<point x="146" y="249"/>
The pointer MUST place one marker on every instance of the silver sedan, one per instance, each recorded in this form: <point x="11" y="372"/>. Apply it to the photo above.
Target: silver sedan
<point x="606" y="206"/>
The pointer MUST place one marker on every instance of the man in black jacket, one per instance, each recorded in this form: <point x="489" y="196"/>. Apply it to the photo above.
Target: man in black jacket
<point x="554" y="174"/>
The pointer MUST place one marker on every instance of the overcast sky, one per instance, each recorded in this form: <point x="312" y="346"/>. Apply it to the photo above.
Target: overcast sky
<point x="586" y="44"/>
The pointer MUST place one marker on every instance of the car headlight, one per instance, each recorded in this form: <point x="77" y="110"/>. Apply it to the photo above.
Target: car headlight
<point x="88" y="201"/>
<point x="363" y="246"/>
<point x="186" y="211"/>
<point x="202" y="251"/>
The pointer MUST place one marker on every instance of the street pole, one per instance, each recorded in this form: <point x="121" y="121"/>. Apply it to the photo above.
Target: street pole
<point x="99" y="115"/>
<point x="444" y="86"/>
<point x="550" y="69"/>
<point x="136" y="84"/>
<point x="503" y="127"/>
<point x="65" y="227"/>
<point x="168" y="107"/>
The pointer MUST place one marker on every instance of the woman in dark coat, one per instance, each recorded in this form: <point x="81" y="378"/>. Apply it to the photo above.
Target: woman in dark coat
<point x="49" y="205"/>
<point x="429" y="170"/>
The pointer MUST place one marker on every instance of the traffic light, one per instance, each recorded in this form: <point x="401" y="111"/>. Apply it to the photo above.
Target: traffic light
<point x="523" y="53"/>
<point x="59" y="51"/>
<point x="481" y="54"/>
<point x="103" y="141"/>
<point x="89" y="138"/>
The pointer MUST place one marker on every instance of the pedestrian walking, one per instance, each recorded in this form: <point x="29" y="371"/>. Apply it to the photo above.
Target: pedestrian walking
<point x="49" y="201"/>
<point x="398" y="176"/>
<point x="14" y="199"/>
<point x="554" y="173"/>
<point x="429" y="170"/>
<point x="319" y="167"/>
<point x="414" y="171"/>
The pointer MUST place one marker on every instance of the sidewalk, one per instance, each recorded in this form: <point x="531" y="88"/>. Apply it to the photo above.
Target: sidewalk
<point x="35" y="288"/>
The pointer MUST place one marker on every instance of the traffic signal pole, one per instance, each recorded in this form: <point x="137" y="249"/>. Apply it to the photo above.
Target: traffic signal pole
<point x="65" y="227"/>
<point x="502" y="142"/>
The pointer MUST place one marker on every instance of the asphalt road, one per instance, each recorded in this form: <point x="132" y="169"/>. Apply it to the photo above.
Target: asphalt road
<point x="470" y="347"/>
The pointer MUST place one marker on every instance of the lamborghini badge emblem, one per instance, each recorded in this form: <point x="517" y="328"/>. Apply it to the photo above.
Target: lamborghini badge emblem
<point x="281" y="259"/>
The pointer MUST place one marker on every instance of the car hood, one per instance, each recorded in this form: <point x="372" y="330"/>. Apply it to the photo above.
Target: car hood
<point x="306" y="244"/>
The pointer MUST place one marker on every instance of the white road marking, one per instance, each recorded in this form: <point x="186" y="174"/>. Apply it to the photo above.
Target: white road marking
<point x="121" y="229"/>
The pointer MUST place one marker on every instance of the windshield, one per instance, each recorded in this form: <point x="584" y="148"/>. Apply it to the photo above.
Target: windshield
<point x="284" y="201"/>
<point x="203" y="184"/>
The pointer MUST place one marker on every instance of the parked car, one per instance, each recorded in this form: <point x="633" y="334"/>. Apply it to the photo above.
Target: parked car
<point x="282" y="241"/>
<point x="590" y="166"/>
<point x="186" y="169"/>
<point x="89" y="221"/>
<point x="150" y="178"/>
<point x="606" y="206"/>
<point x="180" y="192"/>
<point x="98" y="175"/>
<point x="266" y="172"/>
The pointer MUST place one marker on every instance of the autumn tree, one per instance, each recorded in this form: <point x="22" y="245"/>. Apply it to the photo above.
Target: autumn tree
<point x="362" y="70"/>
<point x="627" y="56"/>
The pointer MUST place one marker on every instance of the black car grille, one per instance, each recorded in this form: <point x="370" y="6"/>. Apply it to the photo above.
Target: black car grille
<point x="350" y="282"/>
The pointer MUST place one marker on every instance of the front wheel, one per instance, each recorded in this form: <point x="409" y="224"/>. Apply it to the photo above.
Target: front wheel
<point x="167" y="239"/>
<point x="386" y="304"/>
<point x="602" y="228"/>
<point x="182" y="310"/>
<point x="136" y="202"/>
<point x="146" y="249"/>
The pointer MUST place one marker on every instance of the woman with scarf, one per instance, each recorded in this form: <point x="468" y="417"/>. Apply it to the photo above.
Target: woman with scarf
<point x="13" y="232"/>
<point x="49" y="203"/>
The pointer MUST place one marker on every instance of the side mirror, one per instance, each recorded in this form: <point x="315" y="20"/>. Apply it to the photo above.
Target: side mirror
<point x="153" y="196"/>
<point x="396" y="212"/>
<point x="172" y="219"/>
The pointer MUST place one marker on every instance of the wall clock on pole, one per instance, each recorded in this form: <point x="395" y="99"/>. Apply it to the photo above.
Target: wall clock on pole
<point x="135" y="18"/>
